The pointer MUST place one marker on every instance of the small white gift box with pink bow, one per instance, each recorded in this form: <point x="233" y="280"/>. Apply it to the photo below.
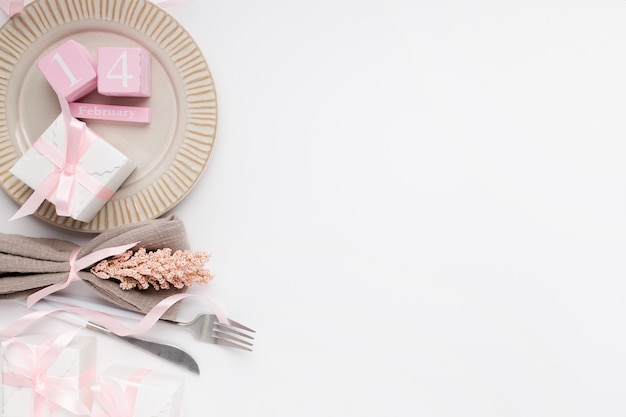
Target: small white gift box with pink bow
<point x="71" y="166"/>
<point x="48" y="376"/>
<point x="123" y="391"/>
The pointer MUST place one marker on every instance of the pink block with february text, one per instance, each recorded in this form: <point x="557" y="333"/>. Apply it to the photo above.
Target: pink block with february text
<point x="124" y="72"/>
<point x="111" y="112"/>
<point x="70" y="69"/>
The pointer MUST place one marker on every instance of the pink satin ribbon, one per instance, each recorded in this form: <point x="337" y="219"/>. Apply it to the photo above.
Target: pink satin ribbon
<point x="12" y="7"/>
<point x="77" y="265"/>
<point x="49" y="391"/>
<point x="62" y="181"/>
<point x="115" y="401"/>
<point x="115" y="326"/>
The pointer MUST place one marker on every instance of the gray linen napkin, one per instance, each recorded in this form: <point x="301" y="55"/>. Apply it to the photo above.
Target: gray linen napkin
<point x="29" y="264"/>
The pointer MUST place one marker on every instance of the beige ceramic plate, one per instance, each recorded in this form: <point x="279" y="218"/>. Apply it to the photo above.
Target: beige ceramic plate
<point x="170" y="153"/>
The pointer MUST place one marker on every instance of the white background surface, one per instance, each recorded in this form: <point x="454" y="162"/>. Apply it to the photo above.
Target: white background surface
<point x="419" y="205"/>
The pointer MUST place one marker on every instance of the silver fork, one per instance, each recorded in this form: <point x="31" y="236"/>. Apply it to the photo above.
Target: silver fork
<point x="205" y="328"/>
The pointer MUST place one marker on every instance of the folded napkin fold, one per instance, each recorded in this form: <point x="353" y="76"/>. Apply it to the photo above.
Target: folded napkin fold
<point x="28" y="264"/>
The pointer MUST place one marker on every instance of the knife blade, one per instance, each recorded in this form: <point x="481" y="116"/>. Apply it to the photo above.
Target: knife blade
<point x="165" y="351"/>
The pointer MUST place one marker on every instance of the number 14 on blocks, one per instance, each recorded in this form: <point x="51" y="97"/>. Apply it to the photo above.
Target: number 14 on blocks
<point x="124" y="72"/>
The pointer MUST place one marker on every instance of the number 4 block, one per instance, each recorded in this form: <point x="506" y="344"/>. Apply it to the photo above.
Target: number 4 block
<point x="70" y="69"/>
<point x="124" y="72"/>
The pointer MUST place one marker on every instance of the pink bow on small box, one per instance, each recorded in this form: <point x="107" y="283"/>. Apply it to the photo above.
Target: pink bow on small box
<point x="62" y="167"/>
<point x="41" y="377"/>
<point x="113" y="400"/>
<point x="124" y="392"/>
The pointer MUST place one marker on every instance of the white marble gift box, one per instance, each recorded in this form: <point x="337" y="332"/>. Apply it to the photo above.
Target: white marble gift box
<point x="153" y="394"/>
<point x="101" y="160"/>
<point x="75" y="364"/>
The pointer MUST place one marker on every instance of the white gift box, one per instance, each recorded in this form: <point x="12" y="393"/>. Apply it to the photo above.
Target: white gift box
<point x="76" y="361"/>
<point x="101" y="161"/>
<point x="157" y="395"/>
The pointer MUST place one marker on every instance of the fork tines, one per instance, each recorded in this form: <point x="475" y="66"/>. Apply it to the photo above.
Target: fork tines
<point x="231" y="336"/>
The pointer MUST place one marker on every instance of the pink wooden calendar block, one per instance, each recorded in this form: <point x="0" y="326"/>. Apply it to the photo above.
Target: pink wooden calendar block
<point x="124" y="72"/>
<point x="70" y="69"/>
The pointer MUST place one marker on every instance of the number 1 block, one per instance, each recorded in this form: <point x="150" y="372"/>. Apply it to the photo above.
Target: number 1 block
<point x="124" y="72"/>
<point x="70" y="69"/>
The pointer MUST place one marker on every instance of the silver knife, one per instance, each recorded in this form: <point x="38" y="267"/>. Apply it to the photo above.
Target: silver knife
<point x="165" y="351"/>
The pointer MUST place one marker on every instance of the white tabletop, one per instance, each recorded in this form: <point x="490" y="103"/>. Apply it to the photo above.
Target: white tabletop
<point x="418" y="205"/>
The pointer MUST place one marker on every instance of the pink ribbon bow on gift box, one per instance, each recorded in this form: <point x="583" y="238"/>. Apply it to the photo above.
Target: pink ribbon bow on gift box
<point x="12" y="7"/>
<point x="115" y="401"/>
<point x="63" y="180"/>
<point x="49" y="391"/>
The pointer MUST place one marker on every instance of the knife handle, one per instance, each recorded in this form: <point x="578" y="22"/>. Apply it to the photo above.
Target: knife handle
<point x="65" y="316"/>
<point x="74" y="318"/>
<point x="100" y="307"/>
